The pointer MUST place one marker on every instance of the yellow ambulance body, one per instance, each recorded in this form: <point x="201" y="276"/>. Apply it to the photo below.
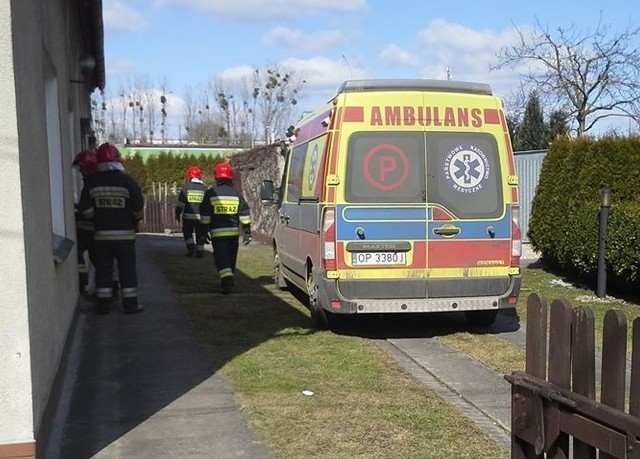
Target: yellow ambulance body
<point x="400" y="196"/>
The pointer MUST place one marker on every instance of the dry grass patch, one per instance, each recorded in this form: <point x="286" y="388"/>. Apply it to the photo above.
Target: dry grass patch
<point x="553" y="286"/>
<point x="505" y="357"/>
<point x="493" y="352"/>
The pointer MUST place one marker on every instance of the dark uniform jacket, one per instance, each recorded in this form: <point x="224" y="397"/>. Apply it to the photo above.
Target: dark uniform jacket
<point x="84" y="229"/>
<point x="114" y="202"/>
<point x="223" y="210"/>
<point x="189" y="200"/>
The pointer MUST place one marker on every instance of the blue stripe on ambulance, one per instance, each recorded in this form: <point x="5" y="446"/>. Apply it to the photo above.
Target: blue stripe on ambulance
<point x="409" y="224"/>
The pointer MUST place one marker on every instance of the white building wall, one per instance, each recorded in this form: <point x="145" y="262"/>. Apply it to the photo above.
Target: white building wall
<point x="39" y="296"/>
<point x="16" y="421"/>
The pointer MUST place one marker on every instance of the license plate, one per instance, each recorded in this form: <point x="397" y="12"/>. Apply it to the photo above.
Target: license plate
<point x="379" y="259"/>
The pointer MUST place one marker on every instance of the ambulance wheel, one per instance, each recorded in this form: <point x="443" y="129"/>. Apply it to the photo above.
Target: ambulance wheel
<point x="319" y="319"/>
<point x="481" y="318"/>
<point x="278" y="278"/>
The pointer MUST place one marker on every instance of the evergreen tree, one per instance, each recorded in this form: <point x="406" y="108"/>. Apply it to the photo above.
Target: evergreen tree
<point x="532" y="133"/>
<point x="512" y="125"/>
<point x="134" y="166"/>
<point x="558" y="126"/>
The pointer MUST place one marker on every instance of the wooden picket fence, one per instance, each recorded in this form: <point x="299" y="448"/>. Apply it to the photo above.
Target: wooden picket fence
<point x="159" y="210"/>
<point x="554" y="410"/>
<point x="161" y="200"/>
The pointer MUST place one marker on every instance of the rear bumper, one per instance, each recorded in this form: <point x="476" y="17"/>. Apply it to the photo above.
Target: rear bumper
<point x="431" y="305"/>
<point x="400" y="302"/>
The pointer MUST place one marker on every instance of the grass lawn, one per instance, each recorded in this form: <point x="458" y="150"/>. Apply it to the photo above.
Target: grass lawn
<point x="363" y="404"/>
<point x="505" y="357"/>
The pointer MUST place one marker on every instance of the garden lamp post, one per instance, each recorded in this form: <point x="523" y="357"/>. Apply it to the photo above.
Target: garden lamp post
<point x="601" y="288"/>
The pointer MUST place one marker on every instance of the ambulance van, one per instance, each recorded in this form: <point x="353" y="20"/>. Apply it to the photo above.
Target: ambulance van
<point x="400" y="196"/>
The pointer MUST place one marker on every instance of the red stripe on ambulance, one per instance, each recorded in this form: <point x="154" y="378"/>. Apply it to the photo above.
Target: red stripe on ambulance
<point x="335" y="143"/>
<point x="469" y="254"/>
<point x="491" y="116"/>
<point x="354" y="114"/>
<point x="507" y="141"/>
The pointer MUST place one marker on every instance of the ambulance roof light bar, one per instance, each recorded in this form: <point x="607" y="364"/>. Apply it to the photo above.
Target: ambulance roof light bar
<point x="415" y="85"/>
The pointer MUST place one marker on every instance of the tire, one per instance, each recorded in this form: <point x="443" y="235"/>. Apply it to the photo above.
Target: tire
<point x="278" y="278"/>
<point x="481" y="318"/>
<point x="319" y="319"/>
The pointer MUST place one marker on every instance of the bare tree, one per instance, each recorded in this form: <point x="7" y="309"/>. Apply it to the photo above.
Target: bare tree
<point x="258" y="105"/>
<point x="150" y="100"/>
<point x="589" y="76"/>
<point x="235" y="110"/>
<point x="275" y="94"/>
<point x="200" y="117"/>
<point x="191" y="109"/>
<point x="123" y="103"/>
<point x="99" y="116"/>
<point x="224" y="100"/>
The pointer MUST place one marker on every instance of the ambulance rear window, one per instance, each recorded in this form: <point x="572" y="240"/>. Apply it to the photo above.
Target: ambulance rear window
<point x="386" y="167"/>
<point x="458" y="171"/>
<point x="463" y="174"/>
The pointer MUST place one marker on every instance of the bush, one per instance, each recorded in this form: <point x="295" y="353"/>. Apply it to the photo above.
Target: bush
<point x="564" y="222"/>
<point x="168" y="168"/>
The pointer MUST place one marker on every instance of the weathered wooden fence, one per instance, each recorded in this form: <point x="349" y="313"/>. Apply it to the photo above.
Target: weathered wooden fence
<point x="160" y="203"/>
<point x="159" y="210"/>
<point x="554" y="410"/>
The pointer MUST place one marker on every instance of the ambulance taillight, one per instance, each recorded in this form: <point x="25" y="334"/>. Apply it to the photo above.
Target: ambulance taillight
<point x="329" y="239"/>
<point x="516" y="237"/>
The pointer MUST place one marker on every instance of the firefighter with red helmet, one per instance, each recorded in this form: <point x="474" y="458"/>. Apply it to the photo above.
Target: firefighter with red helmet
<point x="87" y="164"/>
<point x="188" y="211"/>
<point x="223" y="211"/>
<point x="114" y="202"/>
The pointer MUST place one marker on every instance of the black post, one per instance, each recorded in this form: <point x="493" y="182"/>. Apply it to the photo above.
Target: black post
<point x="601" y="290"/>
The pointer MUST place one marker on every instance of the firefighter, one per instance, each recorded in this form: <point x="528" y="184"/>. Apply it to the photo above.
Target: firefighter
<point x="223" y="211"/>
<point x="114" y="201"/>
<point x="188" y="212"/>
<point x="87" y="164"/>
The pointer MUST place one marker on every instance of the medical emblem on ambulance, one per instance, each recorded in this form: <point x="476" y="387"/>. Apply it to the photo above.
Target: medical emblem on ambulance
<point x="466" y="168"/>
<point x="313" y="167"/>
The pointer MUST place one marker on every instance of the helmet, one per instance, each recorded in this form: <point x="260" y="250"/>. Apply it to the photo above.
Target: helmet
<point x="223" y="171"/>
<point x="108" y="153"/>
<point x="194" y="172"/>
<point x="86" y="161"/>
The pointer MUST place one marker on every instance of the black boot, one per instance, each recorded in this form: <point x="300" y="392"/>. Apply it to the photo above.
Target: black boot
<point x="103" y="306"/>
<point x="131" y="306"/>
<point x="115" y="290"/>
<point x="83" y="281"/>
<point x="225" y="285"/>
<point x="134" y="309"/>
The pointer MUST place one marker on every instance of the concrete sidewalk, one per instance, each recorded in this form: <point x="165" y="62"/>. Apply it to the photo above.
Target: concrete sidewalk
<point x="141" y="386"/>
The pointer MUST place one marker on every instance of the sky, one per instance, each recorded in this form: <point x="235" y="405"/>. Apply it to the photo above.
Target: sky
<point x="188" y="43"/>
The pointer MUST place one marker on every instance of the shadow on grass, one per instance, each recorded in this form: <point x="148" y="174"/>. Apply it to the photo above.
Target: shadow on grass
<point x="257" y="311"/>
<point x="229" y="325"/>
<point x="418" y="325"/>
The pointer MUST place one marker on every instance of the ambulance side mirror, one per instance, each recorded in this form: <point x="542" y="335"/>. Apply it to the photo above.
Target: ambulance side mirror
<point x="268" y="193"/>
